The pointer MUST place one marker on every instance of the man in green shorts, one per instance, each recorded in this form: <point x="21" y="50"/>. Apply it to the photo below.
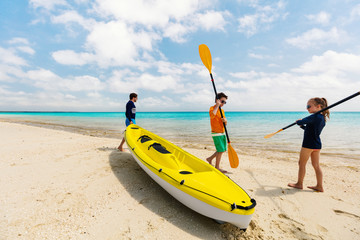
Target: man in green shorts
<point x="218" y="130"/>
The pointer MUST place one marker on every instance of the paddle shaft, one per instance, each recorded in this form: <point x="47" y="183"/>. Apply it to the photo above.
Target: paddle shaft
<point x="213" y="83"/>
<point x="332" y="105"/>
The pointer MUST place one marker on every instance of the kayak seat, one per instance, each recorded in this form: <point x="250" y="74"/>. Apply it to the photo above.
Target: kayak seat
<point x="158" y="147"/>
<point x="158" y="153"/>
<point x="144" y="138"/>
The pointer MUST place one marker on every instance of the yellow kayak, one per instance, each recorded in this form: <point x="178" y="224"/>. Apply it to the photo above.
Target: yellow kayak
<point x="192" y="181"/>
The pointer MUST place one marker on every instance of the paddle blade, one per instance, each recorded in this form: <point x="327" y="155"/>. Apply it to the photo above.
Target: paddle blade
<point x="205" y="56"/>
<point x="233" y="157"/>
<point x="272" y="134"/>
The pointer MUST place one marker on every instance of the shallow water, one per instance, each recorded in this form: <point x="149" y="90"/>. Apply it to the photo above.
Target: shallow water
<point x="340" y="137"/>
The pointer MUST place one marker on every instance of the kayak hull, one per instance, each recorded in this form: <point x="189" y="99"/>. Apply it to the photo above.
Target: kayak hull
<point x="195" y="204"/>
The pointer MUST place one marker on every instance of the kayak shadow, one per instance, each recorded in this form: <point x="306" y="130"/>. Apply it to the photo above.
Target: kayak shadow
<point x="148" y="193"/>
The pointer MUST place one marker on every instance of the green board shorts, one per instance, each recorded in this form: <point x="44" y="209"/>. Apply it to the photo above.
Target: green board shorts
<point x="219" y="141"/>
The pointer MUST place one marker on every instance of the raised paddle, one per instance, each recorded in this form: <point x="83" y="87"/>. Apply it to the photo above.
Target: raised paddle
<point x="205" y="56"/>
<point x="324" y="109"/>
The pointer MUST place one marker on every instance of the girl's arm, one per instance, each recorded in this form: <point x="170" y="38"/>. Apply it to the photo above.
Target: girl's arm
<point x="306" y="120"/>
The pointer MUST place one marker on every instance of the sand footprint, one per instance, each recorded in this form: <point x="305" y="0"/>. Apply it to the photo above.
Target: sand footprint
<point x="340" y="212"/>
<point x="321" y="228"/>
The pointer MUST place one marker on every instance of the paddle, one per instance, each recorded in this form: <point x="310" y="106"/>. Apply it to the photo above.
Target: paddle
<point x="205" y="56"/>
<point x="324" y="109"/>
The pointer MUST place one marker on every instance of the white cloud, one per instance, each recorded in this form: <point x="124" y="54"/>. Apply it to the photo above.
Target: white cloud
<point x="12" y="100"/>
<point x="118" y="83"/>
<point x="155" y="102"/>
<point x="47" y="4"/>
<point x="332" y="75"/>
<point x="69" y="57"/>
<point x="10" y="73"/>
<point x="129" y="31"/>
<point x="72" y="16"/>
<point x="9" y="57"/>
<point x="94" y="95"/>
<point x="251" y="24"/>
<point x="9" y="98"/>
<point x="263" y="56"/>
<point x="123" y="83"/>
<point x="114" y="43"/>
<point x="169" y="77"/>
<point x="316" y="37"/>
<point x="257" y="56"/>
<point x="320" y="18"/>
<point x="201" y="96"/>
<point x="155" y="13"/>
<point x="176" y="32"/>
<point x="110" y="44"/>
<point x="165" y="67"/>
<point x="273" y="65"/>
<point x="245" y="75"/>
<point x="212" y="20"/>
<point x="11" y="65"/>
<point x="331" y="61"/>
<point x="26" y="49"/>
<point x="157" y="83"/>
<point x="355" y="12"/>
<point x="45" y="79"/>
<point x="19" y="40"/>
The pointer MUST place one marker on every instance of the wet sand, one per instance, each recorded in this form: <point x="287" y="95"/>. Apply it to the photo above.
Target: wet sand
<point x="59" y="185"/>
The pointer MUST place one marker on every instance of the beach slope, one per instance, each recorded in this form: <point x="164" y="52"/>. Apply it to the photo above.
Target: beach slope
<point x="59" y="185"/>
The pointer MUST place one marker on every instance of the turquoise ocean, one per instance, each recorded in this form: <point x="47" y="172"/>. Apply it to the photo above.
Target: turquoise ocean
<point x="340" y="137"/>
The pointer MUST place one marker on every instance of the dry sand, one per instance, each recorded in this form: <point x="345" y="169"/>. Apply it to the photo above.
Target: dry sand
<point x="61" y="185"/>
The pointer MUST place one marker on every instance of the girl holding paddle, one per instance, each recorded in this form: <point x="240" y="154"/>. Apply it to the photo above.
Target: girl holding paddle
<point x="311" y="145"/>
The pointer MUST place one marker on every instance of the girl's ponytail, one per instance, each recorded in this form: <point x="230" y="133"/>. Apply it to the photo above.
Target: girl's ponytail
<point x="323" y="103"/>
<point x="327" y="112"/>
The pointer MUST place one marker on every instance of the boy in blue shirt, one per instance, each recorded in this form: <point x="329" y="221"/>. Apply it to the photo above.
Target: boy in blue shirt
<point x="130" y="115"/>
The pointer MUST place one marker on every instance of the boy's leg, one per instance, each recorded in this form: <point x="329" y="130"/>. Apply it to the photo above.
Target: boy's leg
<point x="127" y="123"/>
<point x="315" y="161"/>
<point x="304" y="157"/>
<point x="120" y="147"/>
<point x="209" y="159"/>
<point x="220" y="145"/>
<point x="218" y="158"/>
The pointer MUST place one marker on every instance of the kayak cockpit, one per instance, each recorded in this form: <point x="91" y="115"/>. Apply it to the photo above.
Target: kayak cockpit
<point x="170" y="157"/>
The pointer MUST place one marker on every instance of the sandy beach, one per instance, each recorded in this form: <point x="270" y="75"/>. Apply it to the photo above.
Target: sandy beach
<point x="62" y="185"/>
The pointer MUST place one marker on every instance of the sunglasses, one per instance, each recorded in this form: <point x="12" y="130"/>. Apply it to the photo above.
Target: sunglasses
<point x="308" y="106"/>
<point x="223" y="102"/>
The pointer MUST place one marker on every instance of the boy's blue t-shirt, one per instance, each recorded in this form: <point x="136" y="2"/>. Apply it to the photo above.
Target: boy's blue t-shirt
<point x="314" y="125"/>
<point x="130" y="110"/>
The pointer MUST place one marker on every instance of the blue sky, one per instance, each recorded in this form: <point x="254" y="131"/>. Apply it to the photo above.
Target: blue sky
<point x="83" y="55"/>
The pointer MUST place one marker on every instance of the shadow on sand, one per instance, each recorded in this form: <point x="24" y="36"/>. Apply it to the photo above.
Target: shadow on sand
<point x="273" y="191"/>
<point x="148" y="193"/>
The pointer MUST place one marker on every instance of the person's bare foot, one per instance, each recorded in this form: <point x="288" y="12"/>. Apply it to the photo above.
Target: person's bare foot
<point x="222" y="170"/>
<point x="209" y="160"/>
<point x="295" y="185"/>
<point x="316" y="188"/>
